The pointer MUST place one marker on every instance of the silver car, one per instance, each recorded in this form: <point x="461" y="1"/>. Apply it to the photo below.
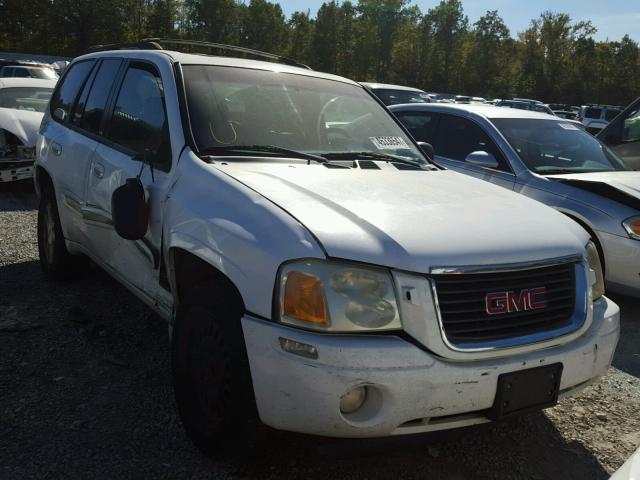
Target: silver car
<point x="548" y="159"/>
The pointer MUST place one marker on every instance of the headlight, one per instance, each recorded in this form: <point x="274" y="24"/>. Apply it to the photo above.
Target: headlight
<point x="26" y="153"/>
<point x="337" y="297"/>
<point x="632" y="226"/>
<point x="594" y="264"/>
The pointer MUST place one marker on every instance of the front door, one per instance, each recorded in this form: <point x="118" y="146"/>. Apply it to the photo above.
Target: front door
<point x="136" y="139"/>
<point x="457" y="137"/>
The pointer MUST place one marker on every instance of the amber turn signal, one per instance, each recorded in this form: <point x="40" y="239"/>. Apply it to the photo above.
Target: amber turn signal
<point x="304" y="298"/>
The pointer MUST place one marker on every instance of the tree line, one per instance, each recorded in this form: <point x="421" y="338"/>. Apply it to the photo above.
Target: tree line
<point x="556" y="59"/>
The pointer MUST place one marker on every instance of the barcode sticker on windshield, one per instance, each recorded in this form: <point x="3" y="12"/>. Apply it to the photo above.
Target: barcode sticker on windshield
<point x="388" y="143"/>
<point x="568" y="126"/>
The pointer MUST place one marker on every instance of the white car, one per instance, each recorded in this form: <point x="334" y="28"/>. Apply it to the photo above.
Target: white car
<point x="318" y="274"/>
<point x="392" y="94"/>
<point x="22" y="105"/>
<point x="546" y="158"/>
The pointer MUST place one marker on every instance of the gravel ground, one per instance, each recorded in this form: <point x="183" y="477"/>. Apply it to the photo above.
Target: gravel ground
<point x="85" y="392"/>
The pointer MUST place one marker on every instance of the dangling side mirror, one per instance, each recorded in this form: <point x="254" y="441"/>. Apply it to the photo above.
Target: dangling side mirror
<point x="129" y="210"/>
<point x="427" y="149"/>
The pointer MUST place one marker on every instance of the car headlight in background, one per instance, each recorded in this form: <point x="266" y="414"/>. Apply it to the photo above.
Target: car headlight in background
<point x="26" y="153"/>
<point x="594" y="264"/>
<point x="337" y="297"/>
<point x="632" y="226"/>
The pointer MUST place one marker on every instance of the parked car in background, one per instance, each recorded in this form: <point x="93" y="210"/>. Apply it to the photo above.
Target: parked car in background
<point x="22" y="104"/>
<point x="622" y="135"/>
<point x="548" y="159"/>
<point x="596" y="117"/>
<point x="25" y="71"/>
<point x="566" y="114"/>
<point x="392" y="94"/>
<point x="307" y="256"/>
<point x="523" y="104"/>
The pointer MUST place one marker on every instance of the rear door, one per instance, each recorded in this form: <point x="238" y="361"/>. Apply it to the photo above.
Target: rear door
<point x="137" y="129"/>
<point x="457" y="137"/>
<point x="622" y="135"/>
<point x="65" y="152"/>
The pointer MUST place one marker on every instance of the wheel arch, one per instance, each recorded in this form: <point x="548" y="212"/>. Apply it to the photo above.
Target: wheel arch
<point x="187" y="269"/>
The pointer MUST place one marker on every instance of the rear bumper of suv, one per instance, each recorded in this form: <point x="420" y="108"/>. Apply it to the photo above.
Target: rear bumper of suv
<point x="409" y="390"/>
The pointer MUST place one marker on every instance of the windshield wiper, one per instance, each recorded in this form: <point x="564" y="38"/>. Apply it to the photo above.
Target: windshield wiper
<point x="227" y="149"/>
<point x="371" y="155"/>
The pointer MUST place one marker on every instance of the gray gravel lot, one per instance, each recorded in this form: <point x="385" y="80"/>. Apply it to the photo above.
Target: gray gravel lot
<point x="85" y="392"/>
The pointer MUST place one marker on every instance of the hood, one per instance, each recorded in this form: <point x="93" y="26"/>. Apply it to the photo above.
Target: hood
<point x="621" y="186"/>
<point x="413" y="220"/>
<point x="24" y="124"/>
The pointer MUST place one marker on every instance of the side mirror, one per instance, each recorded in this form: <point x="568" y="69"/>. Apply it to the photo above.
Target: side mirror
<point x="427" y="149"/>
<point x="129" y="210"/>
<point x="482" y="159"/>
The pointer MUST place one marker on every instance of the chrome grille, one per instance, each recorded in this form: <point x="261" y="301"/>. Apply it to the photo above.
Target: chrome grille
<point x="461" y="300"/>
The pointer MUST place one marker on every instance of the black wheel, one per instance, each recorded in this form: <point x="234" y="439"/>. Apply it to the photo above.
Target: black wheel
<point x="55" y="260"/>
<point x="211" y="377"/>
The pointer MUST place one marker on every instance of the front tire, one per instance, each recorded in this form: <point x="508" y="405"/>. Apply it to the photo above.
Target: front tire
<point x="211" y="377"/>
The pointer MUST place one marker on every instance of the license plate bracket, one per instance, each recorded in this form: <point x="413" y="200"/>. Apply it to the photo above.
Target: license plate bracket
<point x="526" y="391"/>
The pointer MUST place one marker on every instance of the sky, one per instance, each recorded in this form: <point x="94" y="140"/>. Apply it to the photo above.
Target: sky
<point x="612" y="18"/>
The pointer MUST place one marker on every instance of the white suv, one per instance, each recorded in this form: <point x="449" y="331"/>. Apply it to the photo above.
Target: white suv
<point x="317" y="272"/>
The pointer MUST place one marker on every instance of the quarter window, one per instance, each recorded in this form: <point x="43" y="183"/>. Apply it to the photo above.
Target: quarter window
<point x="139" y="121"/>
<point x="90" y="109"/>
<point x="66" y="94"/>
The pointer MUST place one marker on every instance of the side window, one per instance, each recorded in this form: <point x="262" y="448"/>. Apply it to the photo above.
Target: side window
<point x="7" y="72"/>
<point x="458" y="137"/>
<point x="422" y="125"/>
<point x="139" y="121"/>
<point x="67" y="91"/>
<point x="90" y="108"/>
<point x="631" y="127"/>
<point x="21" y="72"/>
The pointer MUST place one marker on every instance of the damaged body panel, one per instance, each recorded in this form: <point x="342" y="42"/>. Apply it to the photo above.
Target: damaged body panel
<point x="22" y="103"/>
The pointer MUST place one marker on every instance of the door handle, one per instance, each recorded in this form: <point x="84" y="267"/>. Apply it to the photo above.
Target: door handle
<point x="98" y="170"/>
<point x="56" y="148"/>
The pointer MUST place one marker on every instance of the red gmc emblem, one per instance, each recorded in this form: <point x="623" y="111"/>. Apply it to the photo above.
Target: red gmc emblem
<point x="508" y="302"/>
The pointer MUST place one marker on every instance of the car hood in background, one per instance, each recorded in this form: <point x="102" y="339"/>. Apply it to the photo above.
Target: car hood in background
<point x="413" y="220"/>
<point x="24" y="124"/>
<point x="622" y="187"/>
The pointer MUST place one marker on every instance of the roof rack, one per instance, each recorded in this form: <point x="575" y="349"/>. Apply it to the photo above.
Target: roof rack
<point x="157" y="44"/>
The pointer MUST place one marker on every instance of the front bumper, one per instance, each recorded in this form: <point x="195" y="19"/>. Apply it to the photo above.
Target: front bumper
<point x="414" y="391"/>
<point x="622" y="264"/>
<point x="16" y="170"/>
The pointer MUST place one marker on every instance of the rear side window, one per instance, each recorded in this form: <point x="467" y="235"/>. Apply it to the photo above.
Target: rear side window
<point x="90" y="109"/>
<point x="139" y="121"/>
<point x="7" y="71"/>
<point x="67" y="91"/>
<point x="458" y="137"/>
<point x="422" y="125"/>
<point x="592" y="113"/>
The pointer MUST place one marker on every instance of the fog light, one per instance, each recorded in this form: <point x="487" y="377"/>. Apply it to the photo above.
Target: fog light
<point x="353" y="400"/>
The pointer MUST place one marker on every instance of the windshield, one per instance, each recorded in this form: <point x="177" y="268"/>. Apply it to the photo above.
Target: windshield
<point x="549" y="146"/>
<point x="395" y="97"/>
<point x="34" y="99"/>
<point x="231" y="106"/>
